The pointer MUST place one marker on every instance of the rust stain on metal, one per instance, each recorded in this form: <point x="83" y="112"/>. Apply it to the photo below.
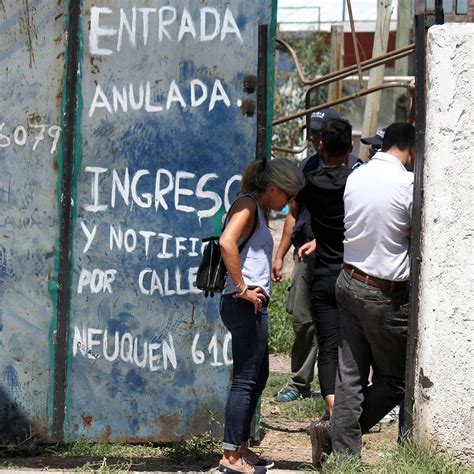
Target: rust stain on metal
<point x="55" y="163"/>
<point x="107" y="434"/>
<point x="28" y="25"/>
<point x="168" y="424"/>
<point x="40" y="428"/>
<point x="249" y="107"/>
<point x="87" y="421"/>
<point x="200" y="422"/>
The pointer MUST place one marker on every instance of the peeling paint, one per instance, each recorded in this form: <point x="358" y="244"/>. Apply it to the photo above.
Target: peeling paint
<point x="87" y="421"/>
<point x="424" y="381"/>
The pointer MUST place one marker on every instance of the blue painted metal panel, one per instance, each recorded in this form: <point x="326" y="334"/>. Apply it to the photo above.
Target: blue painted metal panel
<point x="31" y="75"/>
<point x="164" y="139"/>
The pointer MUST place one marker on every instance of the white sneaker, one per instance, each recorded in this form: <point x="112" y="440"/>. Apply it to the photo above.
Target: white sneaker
<point x="391" y="416"/>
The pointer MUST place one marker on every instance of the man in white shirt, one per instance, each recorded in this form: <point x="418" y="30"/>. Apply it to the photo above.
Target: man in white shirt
<point x="372" y="294"/>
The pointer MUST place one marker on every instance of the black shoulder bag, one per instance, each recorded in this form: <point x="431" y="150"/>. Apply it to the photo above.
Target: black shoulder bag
<point x="212" y="272"/>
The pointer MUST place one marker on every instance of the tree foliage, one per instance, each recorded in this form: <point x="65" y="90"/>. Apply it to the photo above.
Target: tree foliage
<point x="313" y="55"/>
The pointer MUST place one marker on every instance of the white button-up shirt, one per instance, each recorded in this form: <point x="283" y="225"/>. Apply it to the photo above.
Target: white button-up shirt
<point x="378" y="206"/>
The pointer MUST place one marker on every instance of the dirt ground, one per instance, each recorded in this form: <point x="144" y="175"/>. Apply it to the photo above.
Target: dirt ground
<point x="285" y="441"/>
<point x="289" y="445"/>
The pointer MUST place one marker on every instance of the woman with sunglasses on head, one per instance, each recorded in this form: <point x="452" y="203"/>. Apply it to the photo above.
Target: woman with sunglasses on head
<point x="265" y="185"/>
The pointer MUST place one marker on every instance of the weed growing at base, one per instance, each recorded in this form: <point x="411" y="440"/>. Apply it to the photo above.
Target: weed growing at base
<point x="106" y="467"/>
<point x="199" y="448"/>
<point x="281" y="332"/>
<point x="82" y="447"/>
<point x="406" y="458"/>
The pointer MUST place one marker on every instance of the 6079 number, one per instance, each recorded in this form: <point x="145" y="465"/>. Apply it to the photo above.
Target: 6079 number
<point x="34" y="134"/>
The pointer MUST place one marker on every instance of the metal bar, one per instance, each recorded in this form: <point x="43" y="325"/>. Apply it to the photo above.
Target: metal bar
<point x="415" y="256"/>
<point x="337" y="75"/>
<point x="296" y="61"/>
<point x="354" y="40"/>
<point x="261" y="152"/>
<point x="361" y="93"/>
<point x="439" y="12"/>
<point x="348" y="71"/>
<point x="372" y="64"/>
<point x="66" y="227"/>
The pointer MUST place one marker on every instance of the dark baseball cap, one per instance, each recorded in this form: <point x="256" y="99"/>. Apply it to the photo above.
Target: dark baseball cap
<point x="323" y="116"/>
<point x="376" y="140"/>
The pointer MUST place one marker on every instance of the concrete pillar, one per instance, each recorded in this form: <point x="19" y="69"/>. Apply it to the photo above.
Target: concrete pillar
<point x="444" y="381"/>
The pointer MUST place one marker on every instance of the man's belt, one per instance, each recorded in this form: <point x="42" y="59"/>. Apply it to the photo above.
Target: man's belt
<point x="379" y="283"/>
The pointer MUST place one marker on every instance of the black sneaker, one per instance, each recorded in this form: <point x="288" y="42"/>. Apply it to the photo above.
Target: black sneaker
<point x="320" y="442"/>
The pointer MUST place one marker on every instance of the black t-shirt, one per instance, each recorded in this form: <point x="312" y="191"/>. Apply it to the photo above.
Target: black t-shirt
<point x="323" y="196"/>
<point x="302" y="232"/>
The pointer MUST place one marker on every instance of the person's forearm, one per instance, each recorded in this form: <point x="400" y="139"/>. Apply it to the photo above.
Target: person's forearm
<point x="231" y="258"/>
<point x="285" y="242"/>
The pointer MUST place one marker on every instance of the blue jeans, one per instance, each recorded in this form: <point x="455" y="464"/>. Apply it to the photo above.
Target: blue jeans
<point x="250" y="371"/>
<point x="373" y="333"/>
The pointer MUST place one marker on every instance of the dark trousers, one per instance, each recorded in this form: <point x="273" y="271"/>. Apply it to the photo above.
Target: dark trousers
<point x="326" y="319"/>
<point x="250" y="370"/>
<point x="373" y="332"/>
<point x="304" y="349"/>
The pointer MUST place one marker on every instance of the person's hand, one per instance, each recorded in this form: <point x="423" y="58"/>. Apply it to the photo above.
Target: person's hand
<point x="256" y="297"/>
<point x="306" y="249"/>
<point x="276" y="270"/>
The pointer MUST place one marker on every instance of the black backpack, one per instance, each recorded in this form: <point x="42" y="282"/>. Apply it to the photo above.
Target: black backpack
<point x="212" y="272"/>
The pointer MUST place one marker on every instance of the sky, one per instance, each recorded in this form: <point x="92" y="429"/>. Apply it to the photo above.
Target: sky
<point x="330" y="11"/>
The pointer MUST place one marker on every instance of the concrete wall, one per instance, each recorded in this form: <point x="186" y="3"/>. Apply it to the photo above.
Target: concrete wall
<point x="444" y="384"/>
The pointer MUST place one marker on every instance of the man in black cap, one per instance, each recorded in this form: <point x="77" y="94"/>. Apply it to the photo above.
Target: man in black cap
<point x="375" y="142"/>
<point x="297" y="231"/>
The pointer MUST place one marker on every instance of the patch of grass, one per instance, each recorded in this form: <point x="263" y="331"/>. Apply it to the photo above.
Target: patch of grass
<point x="343" y="464"/>
<point x="199" y="448"/>
<point x="274" y="384"/>
<point x="281" y="331"/>
<point x="408" y="458"/>
<point x="299" y="410"/>
<point x="104" y="466"/>
<point x="84" y="448"/>
<point x="305" y="410"/>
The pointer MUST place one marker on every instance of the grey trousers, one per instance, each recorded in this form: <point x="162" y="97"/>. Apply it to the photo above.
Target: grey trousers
<point x="373" y="333"/>
<point x="304" y="350"/>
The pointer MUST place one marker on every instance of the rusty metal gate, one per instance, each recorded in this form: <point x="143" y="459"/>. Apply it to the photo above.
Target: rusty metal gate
<point x="124" y="127"/>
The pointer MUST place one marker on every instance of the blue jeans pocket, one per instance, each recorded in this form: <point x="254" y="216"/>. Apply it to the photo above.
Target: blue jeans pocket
<point x="236" y="314"/>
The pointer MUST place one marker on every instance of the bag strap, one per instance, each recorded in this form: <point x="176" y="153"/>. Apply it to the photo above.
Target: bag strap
<point x="254" y="226"/>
